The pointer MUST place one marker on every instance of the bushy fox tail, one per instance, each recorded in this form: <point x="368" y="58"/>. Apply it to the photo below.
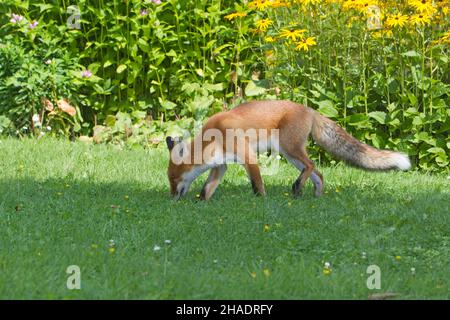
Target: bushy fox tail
<point x="342" y="145"/>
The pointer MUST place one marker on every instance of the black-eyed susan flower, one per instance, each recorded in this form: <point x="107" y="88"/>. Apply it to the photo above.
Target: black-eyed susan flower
<point x="423" y="6"/>
<point x="235" y="15"/>
<point x="263" y="24"/>
<point x="420" y="19"/>
<point x="396" y="20"/>
<point x="260" y="4"/>
<point x="292" y="34"/>
<point x="305" y="44"/>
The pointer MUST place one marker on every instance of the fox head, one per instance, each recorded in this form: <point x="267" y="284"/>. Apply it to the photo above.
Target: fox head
<point x="179" y="172"/>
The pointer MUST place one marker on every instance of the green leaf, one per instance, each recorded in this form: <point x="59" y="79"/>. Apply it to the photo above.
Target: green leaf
<point x="326" y="107"/>
<point x="121" y="68"/>
<point x="380" y="116"/>
<point x="252" y="89"/>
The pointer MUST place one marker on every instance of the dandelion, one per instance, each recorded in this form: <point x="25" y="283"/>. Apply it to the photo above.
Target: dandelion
<point x="396" y="20"/>
<point x="304" y="44"/>
<point x="235" y="15"/>
<point x="398" y="258"/>
<point x="263" y="24"/>
<point x="86" y="73"/>
<point x="327" y="268"/>
<point x="15" y="18"/>
<point x="292" y="34"/>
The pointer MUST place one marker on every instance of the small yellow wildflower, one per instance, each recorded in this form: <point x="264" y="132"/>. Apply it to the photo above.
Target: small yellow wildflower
<point x="266" y="272"/>
<point x="396" y="20"/>
<point x="253" y="275"/>
<point x="304" y="44"/>
<point x="266" y="228"/>
<point x="263" y="24"/>
<point x="235" y="15"/>
<point x="398" y="258"/>
<point x="292" y="34"/>
<point x="112" y="250"/>
<point x="269" y="39"/>
<point x="127" y="197"/>
<point x="327" y="269"/>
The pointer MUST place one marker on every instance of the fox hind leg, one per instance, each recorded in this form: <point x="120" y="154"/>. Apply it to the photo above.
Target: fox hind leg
<point x="301" y="161"/>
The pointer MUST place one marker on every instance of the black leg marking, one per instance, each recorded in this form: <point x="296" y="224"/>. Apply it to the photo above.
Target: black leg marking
<point x="296" y="187"/>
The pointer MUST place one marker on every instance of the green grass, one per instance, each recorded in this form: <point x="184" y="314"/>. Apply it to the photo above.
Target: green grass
<point x="62" y="202"/>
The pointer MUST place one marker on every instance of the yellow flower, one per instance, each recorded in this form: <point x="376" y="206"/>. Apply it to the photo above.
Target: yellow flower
<point x="292" y="34"/>
<point x="263" y="24"/>
<point x="398" y="258"/>
<point x="279" y="4"/>
<point x="304" y="44"/>
<point x="266" y="272"/>
<point x="423" y="6"/>
<point x="266" y="228"/>
<point x="420" y="19"/>
<point x="112" y="250"/>
<point x="350" y="4"/>
<point x="235" y="15"/>
<point x="326" y="271"/>
<point x="396" y="20"/>
<point x="260" y="4"/>
<point x="269" y="39"/>
<point x="444" y="39"/>
<point x="253" y="275"/>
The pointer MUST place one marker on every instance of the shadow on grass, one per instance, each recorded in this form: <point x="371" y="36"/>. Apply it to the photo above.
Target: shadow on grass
<point x="16" y="193"/>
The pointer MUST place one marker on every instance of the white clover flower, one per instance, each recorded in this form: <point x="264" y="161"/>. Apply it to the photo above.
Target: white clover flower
<point x="413" y="270"/>
<point x="156" y="248"/>
<point x="327" y="265"/>
<point x="167" y="242"/>
<point x="49" y="128"/>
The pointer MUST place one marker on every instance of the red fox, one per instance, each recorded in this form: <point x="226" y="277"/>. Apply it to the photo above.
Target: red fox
<point x="281" y="125"/>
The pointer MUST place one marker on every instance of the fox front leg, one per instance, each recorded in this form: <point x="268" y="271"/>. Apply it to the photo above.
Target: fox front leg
<point x="211" y="184"/>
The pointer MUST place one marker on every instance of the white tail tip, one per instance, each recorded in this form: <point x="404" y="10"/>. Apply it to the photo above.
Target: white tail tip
<point x="403" y="162"/>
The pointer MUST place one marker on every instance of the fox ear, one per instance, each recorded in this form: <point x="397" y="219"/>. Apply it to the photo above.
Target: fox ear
<point x="170" y="143"/>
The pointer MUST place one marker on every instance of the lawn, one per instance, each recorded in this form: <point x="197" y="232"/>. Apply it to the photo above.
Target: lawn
<point x="61" y="204"/>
